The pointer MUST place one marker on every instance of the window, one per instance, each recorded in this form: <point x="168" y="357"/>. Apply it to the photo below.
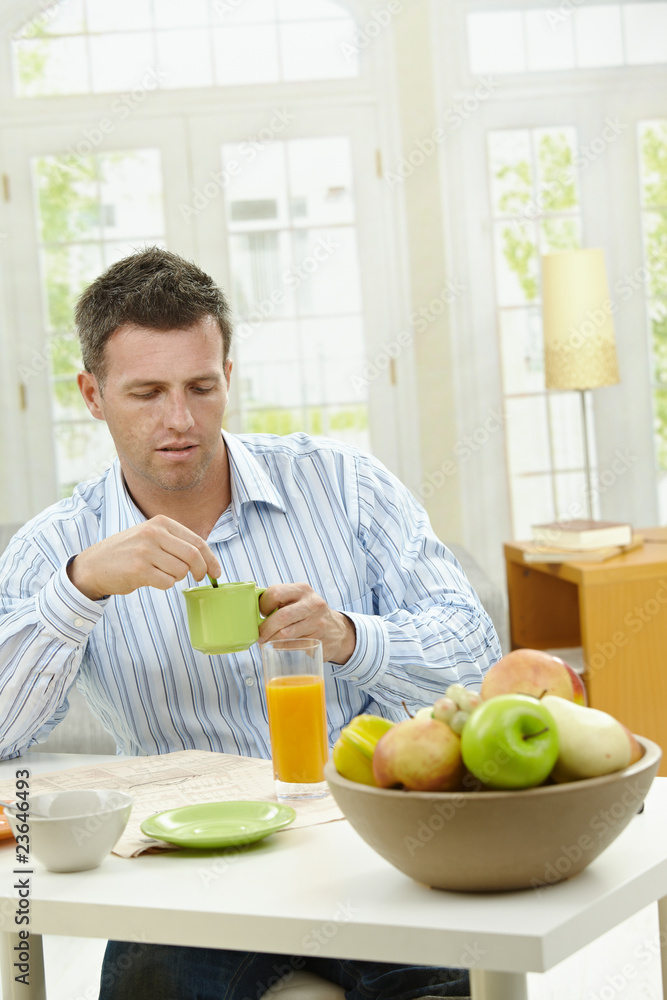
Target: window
<point x="575" y="88"/>
<point x="295" y="274"/>
<point x="536" y="211"/>
<point x="91" y="211"/>
<point x="85" y="46"/>
<point x="280" y="233"/>
<point x="570" y="36"/>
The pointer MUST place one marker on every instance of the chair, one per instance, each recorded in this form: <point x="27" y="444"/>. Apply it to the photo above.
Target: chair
<point x="80" y="731"/>
<point x="303" y="985"/>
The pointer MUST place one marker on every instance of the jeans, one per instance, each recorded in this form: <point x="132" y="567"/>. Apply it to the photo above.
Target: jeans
<point x="133" y="971"/>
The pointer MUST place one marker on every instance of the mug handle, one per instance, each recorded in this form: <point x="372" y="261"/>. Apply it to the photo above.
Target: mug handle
<point x="258" y="593"/>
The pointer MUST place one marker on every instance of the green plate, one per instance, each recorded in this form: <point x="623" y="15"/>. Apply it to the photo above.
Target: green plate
<point x="218" y="824"/>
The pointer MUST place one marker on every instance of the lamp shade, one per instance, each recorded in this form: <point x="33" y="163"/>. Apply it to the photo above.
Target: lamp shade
<point x="579" y="342"/>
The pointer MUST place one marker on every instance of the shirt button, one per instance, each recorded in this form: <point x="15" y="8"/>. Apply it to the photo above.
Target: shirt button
<point x="249" y="682"/>
<point x="79" y="622"/>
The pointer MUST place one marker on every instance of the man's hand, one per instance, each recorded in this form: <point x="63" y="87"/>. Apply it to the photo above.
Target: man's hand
<point x="303" y="614"/>
<point x="156" y="553"/>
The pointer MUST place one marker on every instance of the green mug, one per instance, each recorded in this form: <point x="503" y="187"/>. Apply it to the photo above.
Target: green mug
<point x="224" y="619"/>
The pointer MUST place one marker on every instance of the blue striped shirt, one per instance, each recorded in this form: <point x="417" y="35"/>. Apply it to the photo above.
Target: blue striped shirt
<point x="303" y="510"/>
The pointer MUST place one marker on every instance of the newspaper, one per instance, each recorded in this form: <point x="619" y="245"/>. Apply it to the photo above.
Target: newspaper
<point x="170" y="780"/>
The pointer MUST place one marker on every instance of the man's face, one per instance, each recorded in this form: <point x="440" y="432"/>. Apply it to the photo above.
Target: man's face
<point x="163" y="399"/>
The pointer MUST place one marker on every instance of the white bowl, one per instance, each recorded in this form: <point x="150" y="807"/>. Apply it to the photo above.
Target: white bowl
<point x="79" y="828"/>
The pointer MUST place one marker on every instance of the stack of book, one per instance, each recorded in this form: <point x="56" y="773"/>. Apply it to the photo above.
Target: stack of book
<point x="580" y="540"/>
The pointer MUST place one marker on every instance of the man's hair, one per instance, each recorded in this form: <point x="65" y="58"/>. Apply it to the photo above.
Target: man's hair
<point x="152" y="288"/>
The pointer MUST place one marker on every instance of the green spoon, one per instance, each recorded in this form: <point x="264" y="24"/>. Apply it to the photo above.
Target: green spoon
<point x="214" y="583"/>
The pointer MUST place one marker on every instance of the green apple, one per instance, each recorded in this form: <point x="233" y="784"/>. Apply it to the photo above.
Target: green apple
<point x="510" y="741"/>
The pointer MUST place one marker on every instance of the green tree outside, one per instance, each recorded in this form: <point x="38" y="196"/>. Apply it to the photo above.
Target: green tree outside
<point x="653" y="145"/>
<point x="546" y="194"/>
<point x="68" y="209"/>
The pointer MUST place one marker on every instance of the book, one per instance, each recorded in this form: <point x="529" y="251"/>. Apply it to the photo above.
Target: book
<point x="582" y="534"/>
<point x="546" y="554"/>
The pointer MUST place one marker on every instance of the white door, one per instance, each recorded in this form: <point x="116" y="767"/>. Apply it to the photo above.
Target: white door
<point x="78" y="200"/>
<point x="286" y="209"/>
<point x="537" y="176"/>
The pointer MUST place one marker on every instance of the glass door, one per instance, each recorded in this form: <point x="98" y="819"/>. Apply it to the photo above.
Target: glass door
<point x="289" y="222"/>
<point x="538" y="175"/>
<point x="77" y="208"/>
<point x="297" y="216"/>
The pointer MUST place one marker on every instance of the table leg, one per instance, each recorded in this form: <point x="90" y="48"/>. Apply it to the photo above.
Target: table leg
<point x="662" y="923"/>
<point x="35" y="989"/>
<point x="488" y="985"/>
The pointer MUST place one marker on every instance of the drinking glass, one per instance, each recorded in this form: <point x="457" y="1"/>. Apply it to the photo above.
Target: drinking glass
<point x="294" y="681"/>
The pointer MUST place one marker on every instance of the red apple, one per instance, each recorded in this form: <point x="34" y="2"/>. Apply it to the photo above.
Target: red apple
<point x="636" y="749"/>
<point x="420" y="754"/>
<point x="532" y="671"/>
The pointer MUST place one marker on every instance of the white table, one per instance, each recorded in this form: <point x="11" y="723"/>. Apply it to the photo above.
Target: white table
<point x="323" y="890"/>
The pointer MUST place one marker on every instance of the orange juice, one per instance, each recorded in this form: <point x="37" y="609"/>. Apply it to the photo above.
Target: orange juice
<point x="297" y="727"/>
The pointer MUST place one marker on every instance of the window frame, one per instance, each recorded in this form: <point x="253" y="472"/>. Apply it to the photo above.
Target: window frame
<point x="25" y="120"/>
<point x="583" y="98"/>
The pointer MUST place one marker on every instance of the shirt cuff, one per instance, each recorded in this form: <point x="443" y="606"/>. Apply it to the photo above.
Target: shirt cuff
<point x="370" y="658"/>
<point x="65" y="612"/>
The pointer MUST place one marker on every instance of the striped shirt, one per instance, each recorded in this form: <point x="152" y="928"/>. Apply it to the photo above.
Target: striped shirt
<point x="303" y="510"/>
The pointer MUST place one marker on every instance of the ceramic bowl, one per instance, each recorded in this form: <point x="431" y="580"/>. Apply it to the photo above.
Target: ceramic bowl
<point x="486" y="841"/>
<point x="79" y="829"/>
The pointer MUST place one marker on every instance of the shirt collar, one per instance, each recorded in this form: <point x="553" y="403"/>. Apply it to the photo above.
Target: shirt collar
<point x="249" y="482"/>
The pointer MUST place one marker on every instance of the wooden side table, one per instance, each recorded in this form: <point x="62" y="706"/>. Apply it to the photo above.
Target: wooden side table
<point x="617" y="611"/>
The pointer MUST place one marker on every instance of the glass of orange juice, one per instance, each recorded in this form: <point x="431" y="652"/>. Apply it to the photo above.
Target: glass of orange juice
<point x="294" y="680"/>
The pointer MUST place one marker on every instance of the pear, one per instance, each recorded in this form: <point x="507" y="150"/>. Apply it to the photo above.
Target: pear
<point x="420" y="754"/>
<point x="591" y="742"/>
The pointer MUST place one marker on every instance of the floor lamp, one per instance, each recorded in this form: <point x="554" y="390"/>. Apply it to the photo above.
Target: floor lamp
<point x="577" y="321"/>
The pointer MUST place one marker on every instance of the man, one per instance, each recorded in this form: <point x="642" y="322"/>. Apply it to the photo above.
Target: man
<point x="90" y="590"/>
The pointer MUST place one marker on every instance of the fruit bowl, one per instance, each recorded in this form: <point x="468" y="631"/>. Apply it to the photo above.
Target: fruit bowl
<point x="489" y="841"/>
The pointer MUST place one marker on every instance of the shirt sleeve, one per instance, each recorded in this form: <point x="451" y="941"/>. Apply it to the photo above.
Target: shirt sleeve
<point x="429" y="628"/>
<point x="44" y="625"/>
